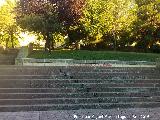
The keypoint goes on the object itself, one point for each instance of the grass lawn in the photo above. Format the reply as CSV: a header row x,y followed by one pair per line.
x,y
95,55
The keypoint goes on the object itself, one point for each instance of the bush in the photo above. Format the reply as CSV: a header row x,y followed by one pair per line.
x,y
155,48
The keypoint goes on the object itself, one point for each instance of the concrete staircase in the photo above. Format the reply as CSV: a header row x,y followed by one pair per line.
x,y
25,88
7,57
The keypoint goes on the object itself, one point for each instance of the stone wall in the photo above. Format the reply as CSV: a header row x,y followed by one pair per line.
x,y
23,53
25,50
7,56
158,63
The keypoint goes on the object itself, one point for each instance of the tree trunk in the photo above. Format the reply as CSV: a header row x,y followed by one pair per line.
x,y
48,42
12,39
114,42
52,45
78,46
7,42
115,45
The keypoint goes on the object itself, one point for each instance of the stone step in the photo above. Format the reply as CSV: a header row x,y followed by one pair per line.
x,y
90,72
52,84
51,107
69,88
78,90
82,81
107,76
55,71
78,100
111,73
103,85
75,69
82,76
26,76
17,94
7,60
101,69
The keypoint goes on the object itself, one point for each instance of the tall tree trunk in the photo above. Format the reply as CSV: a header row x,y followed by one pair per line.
x,y
12,41
78,46
52,45
114,42
48,42
7,40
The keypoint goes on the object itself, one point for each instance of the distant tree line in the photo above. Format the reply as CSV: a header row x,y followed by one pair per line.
x,y
95,24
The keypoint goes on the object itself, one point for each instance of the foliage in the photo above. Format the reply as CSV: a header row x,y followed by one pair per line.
x,y
115,23
147,26
70,11
107,17
59,39
94,19
40,17
8,27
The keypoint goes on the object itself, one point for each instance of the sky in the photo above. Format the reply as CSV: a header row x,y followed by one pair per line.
x,y
1,2
25,37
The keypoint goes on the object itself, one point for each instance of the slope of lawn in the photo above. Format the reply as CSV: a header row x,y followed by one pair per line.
x,y
95,55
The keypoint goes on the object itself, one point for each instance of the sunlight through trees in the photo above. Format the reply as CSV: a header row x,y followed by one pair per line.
x,y
95,24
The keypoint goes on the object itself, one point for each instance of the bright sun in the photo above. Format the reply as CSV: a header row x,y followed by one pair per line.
x,y
26,38
2,2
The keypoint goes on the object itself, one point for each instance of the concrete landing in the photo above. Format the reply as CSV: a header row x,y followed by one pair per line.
x,y
93,114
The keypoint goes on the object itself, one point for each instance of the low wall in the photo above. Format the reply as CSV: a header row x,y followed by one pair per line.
x,y
158,63
22,54
24,51
72,62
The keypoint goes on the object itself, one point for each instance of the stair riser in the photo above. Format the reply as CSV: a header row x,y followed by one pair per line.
x,y
72,69
76,107
78,100
74,95
105,76
94,76
78,90
79,81
72,72
74,84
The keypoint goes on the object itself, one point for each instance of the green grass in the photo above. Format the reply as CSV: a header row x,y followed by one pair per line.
x,y
95,55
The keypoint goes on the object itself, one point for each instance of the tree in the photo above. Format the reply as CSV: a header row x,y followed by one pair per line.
x,y
51,14
8,26
107,18
40,17
69,13
93,20
147,26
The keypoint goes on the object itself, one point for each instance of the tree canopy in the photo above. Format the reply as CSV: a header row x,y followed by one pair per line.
x,y
8,26
40,17
147,26
116,23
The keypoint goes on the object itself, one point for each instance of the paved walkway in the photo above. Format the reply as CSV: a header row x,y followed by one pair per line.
x,y
114,114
